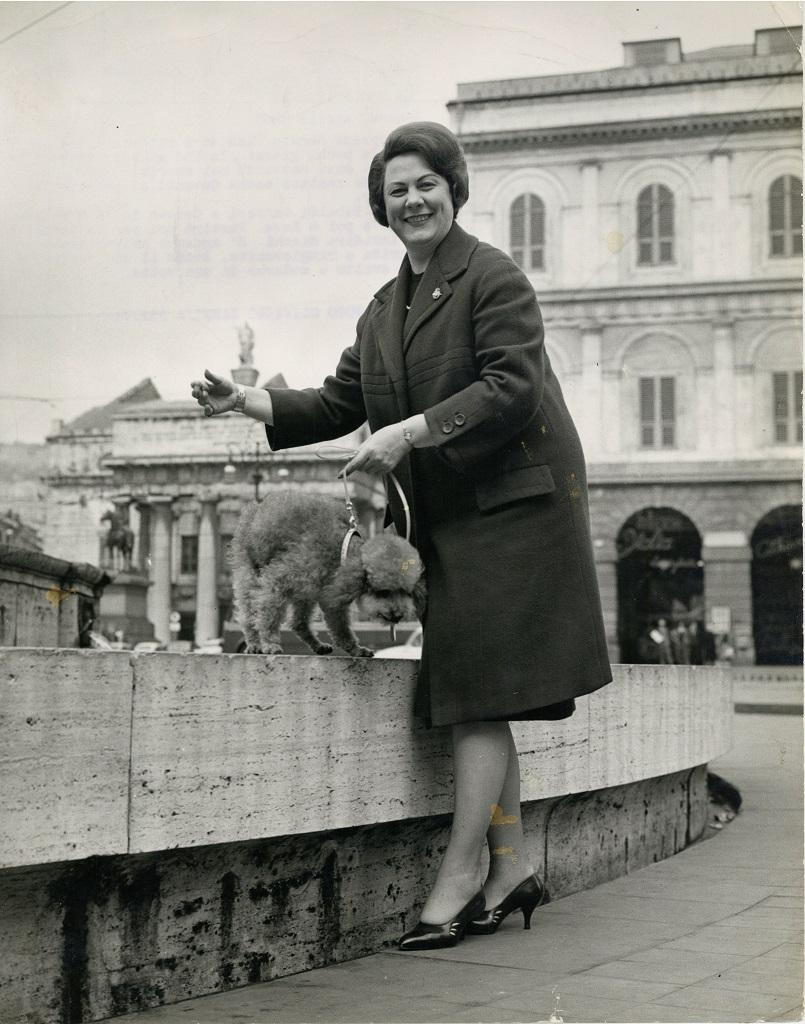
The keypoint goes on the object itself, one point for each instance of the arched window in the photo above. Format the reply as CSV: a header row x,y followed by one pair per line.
x,y
655,226
527,232
785,216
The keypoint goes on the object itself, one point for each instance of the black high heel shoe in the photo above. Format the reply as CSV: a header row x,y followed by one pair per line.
x,y
528,895
437,936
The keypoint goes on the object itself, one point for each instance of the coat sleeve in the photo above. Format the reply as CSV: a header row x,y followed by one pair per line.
x,y
477,421
320,414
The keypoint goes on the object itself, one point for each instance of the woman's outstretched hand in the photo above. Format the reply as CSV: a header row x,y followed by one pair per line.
x,y
215,394
380,452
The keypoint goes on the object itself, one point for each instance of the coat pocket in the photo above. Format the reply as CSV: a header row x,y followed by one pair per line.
x,y
523,482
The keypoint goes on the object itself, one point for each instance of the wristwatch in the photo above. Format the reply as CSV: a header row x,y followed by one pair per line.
x,y
240,401
408,436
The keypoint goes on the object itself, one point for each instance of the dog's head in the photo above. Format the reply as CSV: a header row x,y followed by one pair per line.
x,y
388,574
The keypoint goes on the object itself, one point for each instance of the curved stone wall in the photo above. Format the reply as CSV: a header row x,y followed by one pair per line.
x,y
184,824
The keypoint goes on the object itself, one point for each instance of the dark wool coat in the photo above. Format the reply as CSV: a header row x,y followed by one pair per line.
x,y
499,502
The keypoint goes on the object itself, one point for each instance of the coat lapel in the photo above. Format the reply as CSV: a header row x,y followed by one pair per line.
x,y
390,333
449,260
432,293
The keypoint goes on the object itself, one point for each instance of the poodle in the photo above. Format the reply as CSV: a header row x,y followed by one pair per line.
x,y
286,551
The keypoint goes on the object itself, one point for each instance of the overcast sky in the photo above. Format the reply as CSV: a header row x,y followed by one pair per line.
x,y
169,170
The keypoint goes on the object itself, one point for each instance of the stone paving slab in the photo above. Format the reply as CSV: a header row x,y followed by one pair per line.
x,y
713,934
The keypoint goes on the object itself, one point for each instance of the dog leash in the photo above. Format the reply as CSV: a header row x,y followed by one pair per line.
x,y
334,452
353,530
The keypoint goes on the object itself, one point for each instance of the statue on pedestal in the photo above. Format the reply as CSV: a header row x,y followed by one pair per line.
x,y
246,339
118,544
246,373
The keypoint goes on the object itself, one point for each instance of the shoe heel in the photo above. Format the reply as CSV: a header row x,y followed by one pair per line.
x,y
528,910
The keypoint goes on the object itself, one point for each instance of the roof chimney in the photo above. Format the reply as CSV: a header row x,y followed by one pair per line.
x,y
778,40
649,52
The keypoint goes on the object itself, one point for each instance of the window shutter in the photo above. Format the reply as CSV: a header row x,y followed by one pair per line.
x,y
527,232
780,400
796,216
785,216
645,226
668,411
647,407
777,205
537,225
517,230
655,225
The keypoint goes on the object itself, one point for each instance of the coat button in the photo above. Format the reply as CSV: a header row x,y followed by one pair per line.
x,y
447,427
459,419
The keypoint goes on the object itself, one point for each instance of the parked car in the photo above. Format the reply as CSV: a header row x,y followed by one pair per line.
x,y
210,646
99,641
411,649
148,646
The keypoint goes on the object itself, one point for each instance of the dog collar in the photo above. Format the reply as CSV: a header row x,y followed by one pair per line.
x,y
351,532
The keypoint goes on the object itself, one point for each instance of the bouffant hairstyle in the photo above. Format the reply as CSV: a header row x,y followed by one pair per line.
x,y
440,150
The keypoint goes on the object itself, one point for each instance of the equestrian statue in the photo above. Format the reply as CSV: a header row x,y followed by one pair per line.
x,y
118,544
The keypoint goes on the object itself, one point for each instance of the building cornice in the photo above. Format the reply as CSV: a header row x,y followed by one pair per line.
x,y
701,125
658,76
737,471
710,301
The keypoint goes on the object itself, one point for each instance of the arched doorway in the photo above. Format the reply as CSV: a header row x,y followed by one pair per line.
x,y
660,576
777,587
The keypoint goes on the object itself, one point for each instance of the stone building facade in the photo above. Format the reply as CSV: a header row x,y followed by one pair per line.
x,y
178,481
79,484
657,209
181,480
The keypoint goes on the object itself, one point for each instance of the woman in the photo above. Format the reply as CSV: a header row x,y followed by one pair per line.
x,y
450,370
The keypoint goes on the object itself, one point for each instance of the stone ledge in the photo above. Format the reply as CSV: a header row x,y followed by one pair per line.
x,y
132,754
109,935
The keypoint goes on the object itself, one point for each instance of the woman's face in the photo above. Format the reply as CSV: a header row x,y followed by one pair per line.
x,y
419,207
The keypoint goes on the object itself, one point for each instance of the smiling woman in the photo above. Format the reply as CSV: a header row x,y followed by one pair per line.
x,y
449,368
419,207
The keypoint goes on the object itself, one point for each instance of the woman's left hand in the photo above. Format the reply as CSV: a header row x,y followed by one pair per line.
x,y
380,452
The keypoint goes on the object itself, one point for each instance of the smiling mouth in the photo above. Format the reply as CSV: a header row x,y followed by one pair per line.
x,y
419,218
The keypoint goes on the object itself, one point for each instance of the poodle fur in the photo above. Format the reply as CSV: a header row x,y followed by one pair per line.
x,y
286,551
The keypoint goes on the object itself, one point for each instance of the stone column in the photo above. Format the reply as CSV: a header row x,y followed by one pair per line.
x,y
483,225
207,617
610,440
606,569
590,403
722,261
727,559
590,231
142,544
159,593
723,391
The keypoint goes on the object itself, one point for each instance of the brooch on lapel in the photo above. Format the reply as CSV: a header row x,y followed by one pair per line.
x,y
437,293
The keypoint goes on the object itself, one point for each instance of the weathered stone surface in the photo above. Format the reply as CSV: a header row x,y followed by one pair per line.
x,y
657,719
627,828
229,748
110,935
65,719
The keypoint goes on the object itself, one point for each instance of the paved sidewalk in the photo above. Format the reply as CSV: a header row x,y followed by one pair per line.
x,y
712,934
772,692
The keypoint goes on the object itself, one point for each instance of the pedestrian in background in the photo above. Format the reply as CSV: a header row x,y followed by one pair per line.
x,y
661,636
450,369
680,645
696,643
